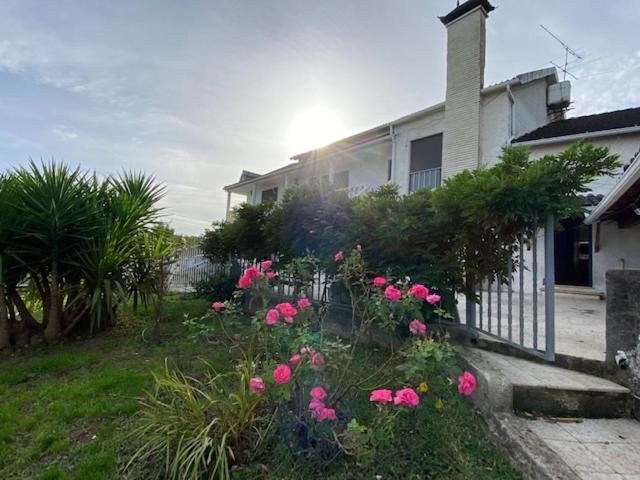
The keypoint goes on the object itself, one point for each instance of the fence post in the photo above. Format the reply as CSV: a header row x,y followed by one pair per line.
x,y
470,313
549,290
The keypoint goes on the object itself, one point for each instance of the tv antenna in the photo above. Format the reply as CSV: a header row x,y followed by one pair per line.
x,y
567,51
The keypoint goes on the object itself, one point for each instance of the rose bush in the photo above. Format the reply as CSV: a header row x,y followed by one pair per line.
x,y
300,380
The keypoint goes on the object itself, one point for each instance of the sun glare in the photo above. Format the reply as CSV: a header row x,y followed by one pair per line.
x,y
314,128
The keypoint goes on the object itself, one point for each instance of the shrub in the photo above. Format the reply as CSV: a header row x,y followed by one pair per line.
x,y
218,286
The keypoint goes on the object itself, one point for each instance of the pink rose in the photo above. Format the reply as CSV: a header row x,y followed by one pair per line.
x,y
419,291
251,272
288,320
381,396
392,293
317,359
417,327
379,281
304,303
271,275
282,374
359,247
266,264
244,282
257,385
329,414
316,404
287,310
272,316
433,298
407,397
338,256
217,306
304,350
295,359
467,384
318,393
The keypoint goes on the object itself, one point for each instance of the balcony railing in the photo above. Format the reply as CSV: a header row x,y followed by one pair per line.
x,y
425,178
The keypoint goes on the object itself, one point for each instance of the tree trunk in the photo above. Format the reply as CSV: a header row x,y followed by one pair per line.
x,y
23,311
53,330
5,334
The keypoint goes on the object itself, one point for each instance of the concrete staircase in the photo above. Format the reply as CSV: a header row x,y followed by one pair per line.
x,y
555,423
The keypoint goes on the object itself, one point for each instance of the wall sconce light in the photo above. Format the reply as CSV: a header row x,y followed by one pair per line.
x,y
636,209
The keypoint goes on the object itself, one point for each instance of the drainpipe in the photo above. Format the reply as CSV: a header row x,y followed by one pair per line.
x,y
512,113
392,133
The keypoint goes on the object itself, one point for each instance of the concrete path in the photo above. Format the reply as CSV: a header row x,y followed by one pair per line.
x,y
562,440
580,322
593,448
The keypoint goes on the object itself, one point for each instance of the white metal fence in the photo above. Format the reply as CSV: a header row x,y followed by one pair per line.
x,y
191,267
425,178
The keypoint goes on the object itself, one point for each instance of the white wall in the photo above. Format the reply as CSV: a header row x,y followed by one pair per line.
x,y
494,126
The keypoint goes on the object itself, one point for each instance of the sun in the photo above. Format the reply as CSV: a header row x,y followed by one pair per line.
x,y
315,127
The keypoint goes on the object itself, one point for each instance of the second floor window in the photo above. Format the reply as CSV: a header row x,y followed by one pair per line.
x,y
270,195
426,162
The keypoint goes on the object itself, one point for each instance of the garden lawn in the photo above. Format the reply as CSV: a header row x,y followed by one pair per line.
x,y
66,412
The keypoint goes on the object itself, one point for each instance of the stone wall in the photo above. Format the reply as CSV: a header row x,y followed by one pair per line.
x,y
623,321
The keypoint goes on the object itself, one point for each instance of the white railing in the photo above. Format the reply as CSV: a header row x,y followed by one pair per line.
x,y
425,178
190,267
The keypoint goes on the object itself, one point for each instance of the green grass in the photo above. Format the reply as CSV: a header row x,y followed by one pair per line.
x,y
66,412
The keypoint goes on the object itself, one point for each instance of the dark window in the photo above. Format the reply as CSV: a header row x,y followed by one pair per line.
x,y
426,153
270,195
389,170
341,179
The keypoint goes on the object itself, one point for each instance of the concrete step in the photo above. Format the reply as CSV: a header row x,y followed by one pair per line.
x,y
577,290
509,384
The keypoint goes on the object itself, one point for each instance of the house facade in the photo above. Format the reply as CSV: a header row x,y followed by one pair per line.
x,y
468,130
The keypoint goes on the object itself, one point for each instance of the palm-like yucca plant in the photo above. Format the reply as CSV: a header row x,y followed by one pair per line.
x,y
76,239
58,207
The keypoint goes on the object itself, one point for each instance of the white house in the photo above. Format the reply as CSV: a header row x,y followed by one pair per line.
x,y
467,131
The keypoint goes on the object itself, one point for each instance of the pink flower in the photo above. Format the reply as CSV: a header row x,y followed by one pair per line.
x,y
272,316
244,282
271,275
282,374
316,404
304,350
381,396
257,385
379,281
287,310
266,264
467,384
329,414
317,359
407,397
392,293
318,393
304,303
217,306
359,247
433,298
419,291
251,272
295,359
417,327
338,256
288,320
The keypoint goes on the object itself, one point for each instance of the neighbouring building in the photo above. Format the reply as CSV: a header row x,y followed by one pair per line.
x,y
466,131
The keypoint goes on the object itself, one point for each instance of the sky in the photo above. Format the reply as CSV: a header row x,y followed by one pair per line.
x,y
194,92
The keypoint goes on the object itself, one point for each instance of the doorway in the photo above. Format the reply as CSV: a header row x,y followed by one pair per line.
x,y
573,253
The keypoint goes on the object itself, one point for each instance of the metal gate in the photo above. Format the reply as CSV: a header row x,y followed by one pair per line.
x,y
519,312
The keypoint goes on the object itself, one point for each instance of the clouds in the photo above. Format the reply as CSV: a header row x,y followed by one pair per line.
x,y
195,91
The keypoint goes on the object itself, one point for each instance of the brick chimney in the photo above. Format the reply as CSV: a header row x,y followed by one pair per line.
x,y
465,78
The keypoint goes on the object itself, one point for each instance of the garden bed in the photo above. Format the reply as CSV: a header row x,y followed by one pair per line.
x,y
68,412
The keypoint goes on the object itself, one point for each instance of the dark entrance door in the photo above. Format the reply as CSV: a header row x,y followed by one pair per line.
x,y
573,253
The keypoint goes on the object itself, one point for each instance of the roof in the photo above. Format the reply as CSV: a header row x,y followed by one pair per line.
x,y
623,196
466,7
247,175
601,122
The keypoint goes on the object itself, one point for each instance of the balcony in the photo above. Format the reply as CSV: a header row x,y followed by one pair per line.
x,y
425,179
